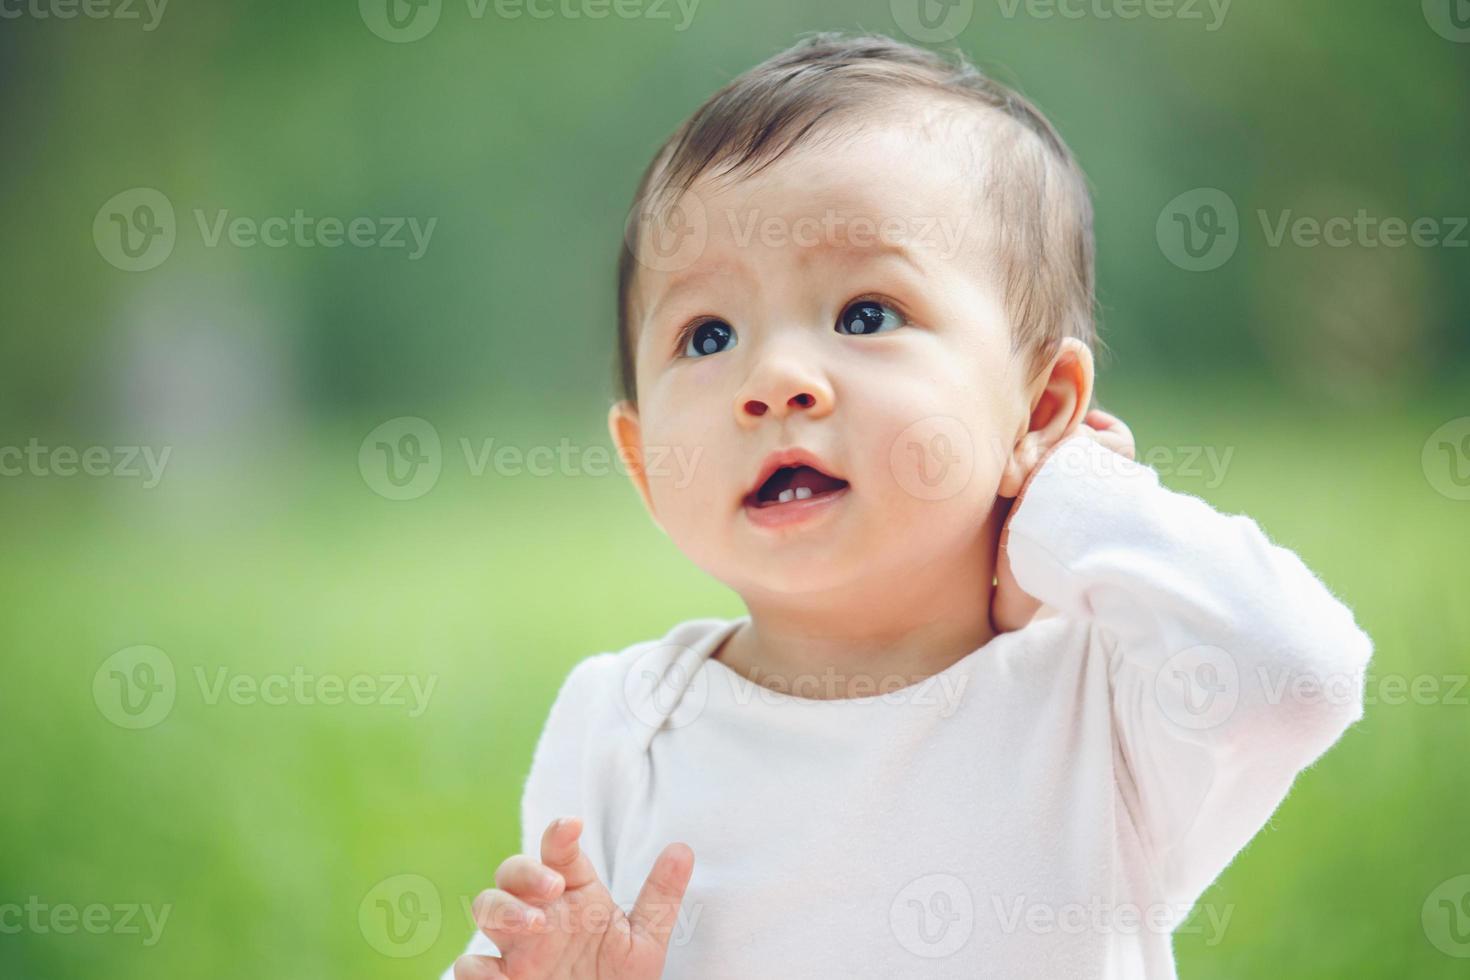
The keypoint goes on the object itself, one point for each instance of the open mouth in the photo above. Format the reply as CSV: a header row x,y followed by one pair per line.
x,y
791,483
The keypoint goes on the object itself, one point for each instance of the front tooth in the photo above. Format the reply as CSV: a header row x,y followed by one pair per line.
x,y
784,496
803,492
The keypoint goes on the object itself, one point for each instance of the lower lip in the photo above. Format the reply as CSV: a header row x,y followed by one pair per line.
x,y
793,511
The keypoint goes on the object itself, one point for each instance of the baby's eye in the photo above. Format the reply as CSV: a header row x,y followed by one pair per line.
x,y
709,337
868,316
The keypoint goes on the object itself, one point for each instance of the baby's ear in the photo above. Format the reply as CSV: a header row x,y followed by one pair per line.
x,y
1058,396
627,437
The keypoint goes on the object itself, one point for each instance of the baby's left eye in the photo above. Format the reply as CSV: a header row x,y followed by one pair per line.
x,y
868,316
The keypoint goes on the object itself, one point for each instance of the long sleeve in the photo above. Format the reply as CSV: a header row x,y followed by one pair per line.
x,y
1231,666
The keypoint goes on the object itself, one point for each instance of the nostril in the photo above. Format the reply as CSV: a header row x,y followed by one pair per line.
x,y
803,400
755,407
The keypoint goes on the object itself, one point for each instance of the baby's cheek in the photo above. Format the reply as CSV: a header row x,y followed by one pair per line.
x,y
937,459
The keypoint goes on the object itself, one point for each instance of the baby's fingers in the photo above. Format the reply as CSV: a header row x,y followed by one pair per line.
x,y
657,909
1111,431
528,879
506,919
561,853
472,967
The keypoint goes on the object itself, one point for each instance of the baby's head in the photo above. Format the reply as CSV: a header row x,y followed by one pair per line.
x,y
863,251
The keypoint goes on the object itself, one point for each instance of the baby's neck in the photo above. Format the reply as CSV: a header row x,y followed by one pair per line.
x,y
855,645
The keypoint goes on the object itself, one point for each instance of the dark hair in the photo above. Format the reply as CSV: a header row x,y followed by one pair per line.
x,y
1038,192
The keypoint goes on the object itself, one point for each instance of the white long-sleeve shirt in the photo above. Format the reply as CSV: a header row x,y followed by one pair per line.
x,y
1052,805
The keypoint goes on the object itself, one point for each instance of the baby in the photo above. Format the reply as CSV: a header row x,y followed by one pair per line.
x,y
1001,705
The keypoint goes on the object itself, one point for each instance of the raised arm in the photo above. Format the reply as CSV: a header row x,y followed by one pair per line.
x,y
1232,666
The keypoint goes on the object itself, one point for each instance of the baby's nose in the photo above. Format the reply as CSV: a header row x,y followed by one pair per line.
x,y
804,399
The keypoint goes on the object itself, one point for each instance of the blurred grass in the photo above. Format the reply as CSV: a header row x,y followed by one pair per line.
x,y
265,826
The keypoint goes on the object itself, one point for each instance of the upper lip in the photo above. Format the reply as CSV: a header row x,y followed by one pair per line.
x,y
796,456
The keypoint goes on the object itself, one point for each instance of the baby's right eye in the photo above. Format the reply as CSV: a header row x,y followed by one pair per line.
x,y
708,337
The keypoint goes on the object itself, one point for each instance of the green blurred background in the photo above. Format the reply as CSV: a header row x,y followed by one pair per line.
x,y
1334,376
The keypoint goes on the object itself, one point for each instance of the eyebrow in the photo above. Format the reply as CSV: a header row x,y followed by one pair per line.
x,y
879,248
687,281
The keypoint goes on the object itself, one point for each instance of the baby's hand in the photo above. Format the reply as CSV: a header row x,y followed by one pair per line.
x,y
553,918
1011,608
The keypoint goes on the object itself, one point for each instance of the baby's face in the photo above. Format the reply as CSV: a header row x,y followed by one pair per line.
x,y
841,305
